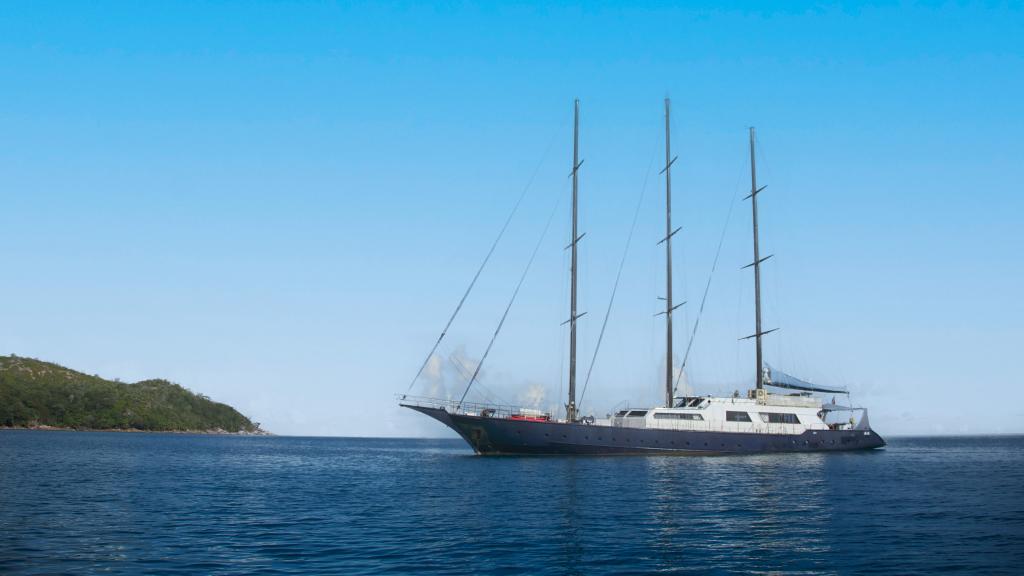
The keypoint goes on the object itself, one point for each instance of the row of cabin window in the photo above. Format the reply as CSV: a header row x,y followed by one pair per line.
x,y
779,418
677,416
766,417
769,417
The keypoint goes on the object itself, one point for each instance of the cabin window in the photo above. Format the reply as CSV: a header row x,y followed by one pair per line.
x,y
737,416
677,416
622,413
637,413
779,418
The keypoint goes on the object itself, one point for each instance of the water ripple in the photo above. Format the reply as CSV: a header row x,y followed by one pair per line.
x,y
172,504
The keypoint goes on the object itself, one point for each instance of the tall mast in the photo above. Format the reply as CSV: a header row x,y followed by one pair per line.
x,y
668,257
754,190
757,265
570,408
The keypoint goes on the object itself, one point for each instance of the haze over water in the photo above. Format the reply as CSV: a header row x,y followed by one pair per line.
x,y
179,504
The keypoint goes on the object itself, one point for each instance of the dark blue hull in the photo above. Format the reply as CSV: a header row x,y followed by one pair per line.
x,y
504,436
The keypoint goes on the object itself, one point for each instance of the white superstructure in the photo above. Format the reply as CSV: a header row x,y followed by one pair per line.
x,y
775,414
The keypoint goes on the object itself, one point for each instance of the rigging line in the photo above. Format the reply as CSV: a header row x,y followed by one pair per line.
x,y
465,372
618,276
512,300
487,393
563,330
707,288
504,227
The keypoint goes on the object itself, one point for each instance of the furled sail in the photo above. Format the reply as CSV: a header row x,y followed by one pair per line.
x,y
780,379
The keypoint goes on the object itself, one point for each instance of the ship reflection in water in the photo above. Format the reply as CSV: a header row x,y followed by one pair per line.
x,y
767,494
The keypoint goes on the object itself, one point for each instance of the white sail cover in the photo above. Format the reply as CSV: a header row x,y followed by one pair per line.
x,y
780,379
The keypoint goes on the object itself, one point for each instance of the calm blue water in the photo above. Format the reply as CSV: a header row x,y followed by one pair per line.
x,y
150,503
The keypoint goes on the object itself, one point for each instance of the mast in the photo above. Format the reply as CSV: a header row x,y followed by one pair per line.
x,y
668,257
754,190
570,408
757,265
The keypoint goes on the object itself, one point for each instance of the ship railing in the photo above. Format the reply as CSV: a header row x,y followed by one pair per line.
x,y
469,408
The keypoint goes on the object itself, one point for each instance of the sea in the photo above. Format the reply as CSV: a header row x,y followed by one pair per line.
x,y
123,503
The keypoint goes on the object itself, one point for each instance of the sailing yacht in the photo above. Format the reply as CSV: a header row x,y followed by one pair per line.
x,y
780,414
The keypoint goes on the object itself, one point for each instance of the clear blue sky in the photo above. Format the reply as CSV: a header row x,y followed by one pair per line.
x,y
279,203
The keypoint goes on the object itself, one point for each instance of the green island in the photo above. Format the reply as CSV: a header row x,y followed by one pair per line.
x,y
37,394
